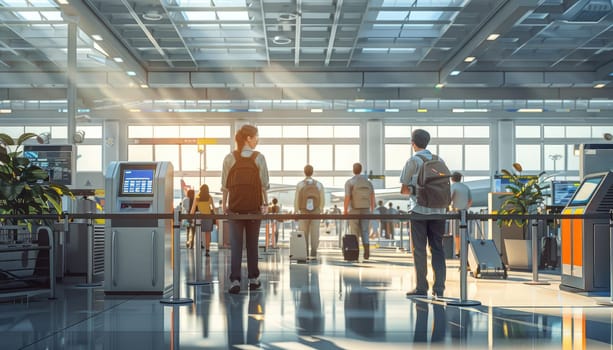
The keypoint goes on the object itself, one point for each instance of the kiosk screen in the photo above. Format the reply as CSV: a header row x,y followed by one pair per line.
x,y
502,181
585,191
562,192
136,180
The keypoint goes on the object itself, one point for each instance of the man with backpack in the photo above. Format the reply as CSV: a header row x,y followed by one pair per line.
x,y
359,199
309,199
427,178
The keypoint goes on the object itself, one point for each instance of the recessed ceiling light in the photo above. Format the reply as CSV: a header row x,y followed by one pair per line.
x,y
281,40
118,59
422,110
96,37
153,15
530,110
470,59
131,73
316,110
439,86
144,86
62,2
599,86
493,36
455,73
287,17
5,111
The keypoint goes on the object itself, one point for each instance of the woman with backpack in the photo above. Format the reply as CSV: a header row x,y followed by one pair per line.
x,y
244,181
204,205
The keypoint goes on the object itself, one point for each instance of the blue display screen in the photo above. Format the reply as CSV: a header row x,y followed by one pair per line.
x,y
502,181
585,191
137,181
562,192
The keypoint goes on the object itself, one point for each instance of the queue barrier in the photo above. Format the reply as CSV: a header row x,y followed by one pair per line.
x,y
463,216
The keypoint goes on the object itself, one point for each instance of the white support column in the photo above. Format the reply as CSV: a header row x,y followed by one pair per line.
x,y
506,144
113,142
71,72
374,148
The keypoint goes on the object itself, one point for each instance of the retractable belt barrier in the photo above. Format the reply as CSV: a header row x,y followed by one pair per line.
x,y
463,216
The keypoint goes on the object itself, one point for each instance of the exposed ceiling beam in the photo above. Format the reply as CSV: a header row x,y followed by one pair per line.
x,y
145,30
265,32
90,23
298,30
506,15
337,16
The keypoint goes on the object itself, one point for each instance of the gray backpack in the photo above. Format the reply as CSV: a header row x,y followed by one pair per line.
x,y
433,187
360,193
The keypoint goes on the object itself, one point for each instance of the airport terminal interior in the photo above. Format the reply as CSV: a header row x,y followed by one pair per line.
x,y
130,103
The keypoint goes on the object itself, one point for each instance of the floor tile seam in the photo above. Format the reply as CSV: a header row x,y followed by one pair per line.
x,y
64,329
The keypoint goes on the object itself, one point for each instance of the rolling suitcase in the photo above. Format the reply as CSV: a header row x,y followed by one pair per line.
x,y
484,259
351,249
297,246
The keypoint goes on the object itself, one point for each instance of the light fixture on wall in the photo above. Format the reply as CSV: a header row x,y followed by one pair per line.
x,y
607,136
43,138
79,136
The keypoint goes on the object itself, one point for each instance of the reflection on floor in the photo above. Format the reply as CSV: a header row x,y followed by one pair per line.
x,y
323,304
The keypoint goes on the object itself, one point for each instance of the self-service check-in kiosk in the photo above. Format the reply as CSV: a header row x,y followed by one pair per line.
x,y
138,251
585,242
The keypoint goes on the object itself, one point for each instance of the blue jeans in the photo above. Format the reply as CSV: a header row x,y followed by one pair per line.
x,y
428,232
250,229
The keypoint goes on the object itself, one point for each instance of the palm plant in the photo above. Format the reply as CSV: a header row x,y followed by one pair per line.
x,y
524,197
23,186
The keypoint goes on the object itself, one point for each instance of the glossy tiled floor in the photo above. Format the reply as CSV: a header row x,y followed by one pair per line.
x,y
323,304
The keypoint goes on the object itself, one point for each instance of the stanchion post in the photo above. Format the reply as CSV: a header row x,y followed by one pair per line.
x,y
176,266
535,267
89,275
198,258
50,234
610,301
463,263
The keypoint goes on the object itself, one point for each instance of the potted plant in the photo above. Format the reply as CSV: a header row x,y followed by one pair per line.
x,y
24,187
525,197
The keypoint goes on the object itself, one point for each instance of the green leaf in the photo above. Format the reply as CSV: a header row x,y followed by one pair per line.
x,y
25,136
6,139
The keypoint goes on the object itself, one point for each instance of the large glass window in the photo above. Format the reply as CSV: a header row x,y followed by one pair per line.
x,y
89,158
345,156
294,157
452,155
529,156
143,153
321,157
272,153
477,157
215,155
527,131
554,157
396,156
140,131
190,158
168,153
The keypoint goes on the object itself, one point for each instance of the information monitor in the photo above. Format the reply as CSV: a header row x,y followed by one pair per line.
x,y
562,192
585,192
136,180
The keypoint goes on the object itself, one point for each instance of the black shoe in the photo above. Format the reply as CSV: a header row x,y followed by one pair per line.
x,y
416,293
255,284
236,287
207,253
436,294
